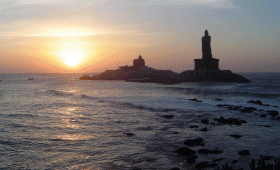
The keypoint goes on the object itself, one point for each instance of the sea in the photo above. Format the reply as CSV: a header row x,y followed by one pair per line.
x,y
57,121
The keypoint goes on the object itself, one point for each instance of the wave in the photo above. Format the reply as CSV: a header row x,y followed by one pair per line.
x,y
60,92
250,91
140,107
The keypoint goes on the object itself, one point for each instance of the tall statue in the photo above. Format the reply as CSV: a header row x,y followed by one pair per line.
x,y
206,47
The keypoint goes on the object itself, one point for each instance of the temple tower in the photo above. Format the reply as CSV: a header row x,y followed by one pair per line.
x,y
207,62
138,63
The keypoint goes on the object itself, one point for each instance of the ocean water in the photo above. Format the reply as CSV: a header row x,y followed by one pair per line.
x,y
59,122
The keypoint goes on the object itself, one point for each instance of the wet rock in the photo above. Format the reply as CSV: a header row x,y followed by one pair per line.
x,y
223,105
129,134
203,151
216,151
175,168
272,113
219,159
205,164
248,109
194,99
230,121
205,121
234,162
219,99
193,126
258,102
236,136
207,151
204,130
244,152
234,107
191,159
184,151
263,115
193,142
136,168
266,158
168,116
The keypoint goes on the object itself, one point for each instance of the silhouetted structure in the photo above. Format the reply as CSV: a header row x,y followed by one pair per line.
x,y
138,63
137,72
207,62
207,68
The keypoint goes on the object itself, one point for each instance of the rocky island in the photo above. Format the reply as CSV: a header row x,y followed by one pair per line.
x,y
206,69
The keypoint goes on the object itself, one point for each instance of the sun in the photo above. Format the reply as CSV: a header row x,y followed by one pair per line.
x,y
72,60
72,54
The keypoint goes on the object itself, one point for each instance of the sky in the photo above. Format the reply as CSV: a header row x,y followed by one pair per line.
x,y
91,36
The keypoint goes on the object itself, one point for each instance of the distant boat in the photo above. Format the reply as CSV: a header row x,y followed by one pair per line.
x,y
30,79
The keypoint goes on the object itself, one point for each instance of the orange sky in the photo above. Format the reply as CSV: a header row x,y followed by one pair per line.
x,y
92,36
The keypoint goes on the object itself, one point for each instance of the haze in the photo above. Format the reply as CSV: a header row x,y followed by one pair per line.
x,y
80,36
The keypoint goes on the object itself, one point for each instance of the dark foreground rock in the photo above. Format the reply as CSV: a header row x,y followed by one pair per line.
x,y
168,116
129,134
232,121
272,113
205,164
236,136
184,151
244,152
193,142
207,151
191,159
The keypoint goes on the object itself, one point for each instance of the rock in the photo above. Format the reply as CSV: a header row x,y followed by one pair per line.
x,y
263,115
219,99
207,151
236,136
184,151
135,168
244,152
205,121
203,151
219,159
193,142
265,157
230,121
234,162
258,102
191,159
193,126
234,107
216,151
248,109
168,116
204,130
272,113
194,99
275,106
277,117
199,101
176,132
205,164
129,134
174,168
223,105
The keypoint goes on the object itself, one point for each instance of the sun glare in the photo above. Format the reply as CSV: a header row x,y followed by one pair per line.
x,y
72,54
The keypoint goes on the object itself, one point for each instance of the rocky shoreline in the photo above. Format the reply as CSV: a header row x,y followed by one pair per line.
x,y
193,148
